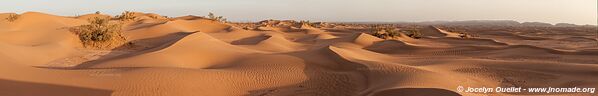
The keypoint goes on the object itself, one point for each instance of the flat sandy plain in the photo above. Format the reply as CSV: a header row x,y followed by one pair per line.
x,y
195,56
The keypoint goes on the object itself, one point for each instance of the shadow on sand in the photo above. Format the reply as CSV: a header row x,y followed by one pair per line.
x,y
138,47
19,88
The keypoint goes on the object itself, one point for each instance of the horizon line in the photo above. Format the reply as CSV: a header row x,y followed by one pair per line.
x,y
333,21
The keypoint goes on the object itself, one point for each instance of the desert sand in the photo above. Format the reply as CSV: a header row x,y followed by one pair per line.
x,y
196,56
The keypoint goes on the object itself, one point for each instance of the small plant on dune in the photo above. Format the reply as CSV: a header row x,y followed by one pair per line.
x,y
462,33
386,33
308,23
391,33
125,16
100,34
12,17
413,33
216,18
153,16
98,12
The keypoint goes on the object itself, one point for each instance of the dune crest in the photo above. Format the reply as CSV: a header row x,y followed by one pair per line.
x,y
197,50
202,56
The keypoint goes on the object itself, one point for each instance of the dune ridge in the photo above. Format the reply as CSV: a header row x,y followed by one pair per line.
x,y
197,56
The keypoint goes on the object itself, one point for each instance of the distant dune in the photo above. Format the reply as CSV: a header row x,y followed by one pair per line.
x,y
40,55
480,22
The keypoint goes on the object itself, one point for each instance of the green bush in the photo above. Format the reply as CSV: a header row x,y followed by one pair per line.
x,y
100,34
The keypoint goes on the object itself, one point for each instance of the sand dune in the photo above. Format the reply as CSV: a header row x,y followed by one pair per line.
x,y
196,50
91,16
579,39
435,32
32,21
196,56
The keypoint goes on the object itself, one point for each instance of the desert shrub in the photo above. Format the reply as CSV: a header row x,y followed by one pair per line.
x,y
464,35
153,16
413,33
308,23
462,32
100,34
305,22
390,33
386,33
268,23
125,16
98,12
216,18
320,24
12,17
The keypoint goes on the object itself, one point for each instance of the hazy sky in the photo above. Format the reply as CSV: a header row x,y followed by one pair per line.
x,y
550,11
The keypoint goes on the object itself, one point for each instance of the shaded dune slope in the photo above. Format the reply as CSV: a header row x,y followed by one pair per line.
x,y
195,56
